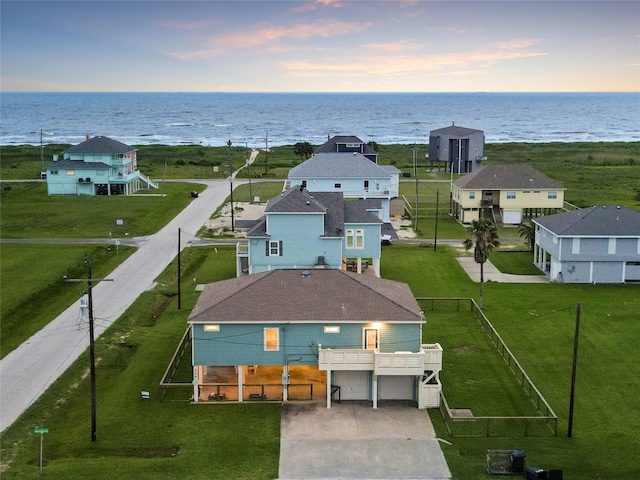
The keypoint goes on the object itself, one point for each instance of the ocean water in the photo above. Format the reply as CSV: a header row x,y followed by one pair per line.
x,y
258,119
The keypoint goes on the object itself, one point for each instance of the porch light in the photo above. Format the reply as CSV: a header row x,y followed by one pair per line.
x,y
377,325
212,328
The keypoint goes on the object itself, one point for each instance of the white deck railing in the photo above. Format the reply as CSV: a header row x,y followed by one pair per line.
x,y
429,358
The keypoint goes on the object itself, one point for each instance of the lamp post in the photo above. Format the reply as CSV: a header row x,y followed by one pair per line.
x,y
92,352
230,180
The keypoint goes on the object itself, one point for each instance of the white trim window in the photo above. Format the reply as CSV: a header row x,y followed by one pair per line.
x,y
511,195
350,238
274,248
552,195
359,238
472,195
271,339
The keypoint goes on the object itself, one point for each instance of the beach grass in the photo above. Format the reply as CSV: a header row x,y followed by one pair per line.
x,y
592,172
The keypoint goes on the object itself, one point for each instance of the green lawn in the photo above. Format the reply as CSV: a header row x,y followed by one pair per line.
x,y
32,277
28,212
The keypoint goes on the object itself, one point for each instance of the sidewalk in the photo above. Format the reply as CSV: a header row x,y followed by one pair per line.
x,y
31,368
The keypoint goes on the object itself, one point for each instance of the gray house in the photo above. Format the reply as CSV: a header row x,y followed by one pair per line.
x,y
591,245
460,149
347,144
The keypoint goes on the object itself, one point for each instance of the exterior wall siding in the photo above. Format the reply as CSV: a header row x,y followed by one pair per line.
x,y
243,344
371,248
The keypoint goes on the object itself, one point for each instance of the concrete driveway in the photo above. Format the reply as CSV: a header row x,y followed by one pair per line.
x,y
352,440
492,274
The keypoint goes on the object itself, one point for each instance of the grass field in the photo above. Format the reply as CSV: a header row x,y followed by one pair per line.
x,y
25,290
28,212
145,440
172,439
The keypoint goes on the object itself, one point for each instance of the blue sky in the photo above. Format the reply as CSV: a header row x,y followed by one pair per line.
x,y
320,46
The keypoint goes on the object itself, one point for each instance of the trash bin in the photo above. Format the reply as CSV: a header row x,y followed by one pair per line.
x,y
194,194
517,461
535,473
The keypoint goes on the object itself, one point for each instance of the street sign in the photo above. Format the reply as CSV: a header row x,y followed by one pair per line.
x,y
41,430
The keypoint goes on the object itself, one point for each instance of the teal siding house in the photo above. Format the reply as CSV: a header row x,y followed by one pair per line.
x,y
327,334
302,229
97,166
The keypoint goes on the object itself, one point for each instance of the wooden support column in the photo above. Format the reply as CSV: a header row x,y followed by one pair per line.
x,y
240,382
328,388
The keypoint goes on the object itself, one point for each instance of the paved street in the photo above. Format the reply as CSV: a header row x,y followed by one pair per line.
x,y
30,369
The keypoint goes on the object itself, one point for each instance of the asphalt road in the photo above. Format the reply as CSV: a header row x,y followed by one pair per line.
x,y
31,368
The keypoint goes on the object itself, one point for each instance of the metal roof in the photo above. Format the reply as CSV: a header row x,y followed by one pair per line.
x,y
455,131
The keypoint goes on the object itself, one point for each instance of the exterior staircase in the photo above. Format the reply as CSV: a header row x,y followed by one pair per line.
x,y
497,216
150,183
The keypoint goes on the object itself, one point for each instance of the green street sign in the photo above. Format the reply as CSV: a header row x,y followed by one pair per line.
x,y
41,430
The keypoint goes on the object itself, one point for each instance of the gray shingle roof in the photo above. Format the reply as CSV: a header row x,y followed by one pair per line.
x,y
336,210
100,144
338,165
501,177
355,211
455,131
330,146
600,221
325,295
78,165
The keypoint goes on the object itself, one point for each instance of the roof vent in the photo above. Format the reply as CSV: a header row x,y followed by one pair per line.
x,y
308,202
306,274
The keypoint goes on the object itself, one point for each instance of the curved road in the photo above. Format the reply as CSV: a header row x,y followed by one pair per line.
x,y
32,367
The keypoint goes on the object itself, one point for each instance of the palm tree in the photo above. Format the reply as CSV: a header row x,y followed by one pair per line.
x,y
483,238
527,232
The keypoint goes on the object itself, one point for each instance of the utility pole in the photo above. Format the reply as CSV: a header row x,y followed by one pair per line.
x,y
230,180
266,152
92,351
573,371
415,174
179,249
435,238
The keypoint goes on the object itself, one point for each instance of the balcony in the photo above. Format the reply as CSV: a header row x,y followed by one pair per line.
x,y
429,358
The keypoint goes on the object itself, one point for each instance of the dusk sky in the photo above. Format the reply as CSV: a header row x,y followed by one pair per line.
x,y
320,46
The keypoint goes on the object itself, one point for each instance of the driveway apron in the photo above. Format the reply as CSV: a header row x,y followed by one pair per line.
x,y
352,440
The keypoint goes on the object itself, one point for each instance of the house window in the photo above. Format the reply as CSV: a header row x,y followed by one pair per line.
x,y
552,195
332,329
337,185
271,339
274,248
71,172
511,195
359,238
575,246
612,246
304,184
212,328
350,238
472,195
54,172
366,185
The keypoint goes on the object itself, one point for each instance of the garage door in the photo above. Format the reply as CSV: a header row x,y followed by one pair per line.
x,y
512,217
395,387
354,385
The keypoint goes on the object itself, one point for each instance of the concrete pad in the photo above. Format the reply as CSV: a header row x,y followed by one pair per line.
x,y
492,274
352,440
